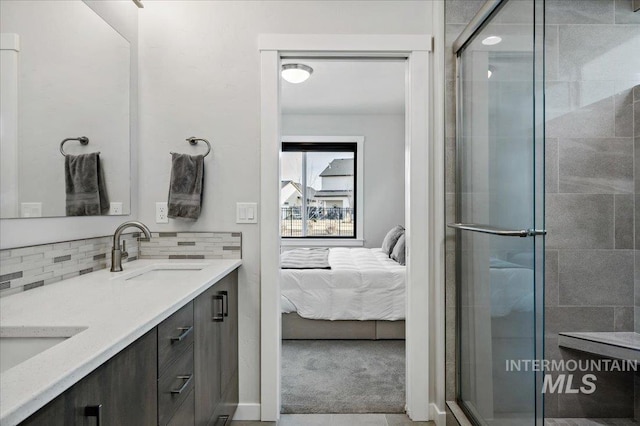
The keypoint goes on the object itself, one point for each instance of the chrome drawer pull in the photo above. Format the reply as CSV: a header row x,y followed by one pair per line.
x,y
185,333
187,380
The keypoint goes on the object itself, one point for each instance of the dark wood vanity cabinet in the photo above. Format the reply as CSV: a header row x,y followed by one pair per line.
x,y
183,372
216,353
122,391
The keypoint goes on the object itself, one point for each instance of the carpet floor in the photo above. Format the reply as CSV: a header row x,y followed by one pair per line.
x,y
343,376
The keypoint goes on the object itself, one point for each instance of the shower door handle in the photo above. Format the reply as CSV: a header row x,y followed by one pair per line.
x,y
493,230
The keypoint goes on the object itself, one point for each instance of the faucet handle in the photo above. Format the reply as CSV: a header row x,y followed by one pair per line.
x,y
124,254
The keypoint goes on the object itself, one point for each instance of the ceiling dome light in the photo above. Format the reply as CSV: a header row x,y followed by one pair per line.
x,y
491,40
296,73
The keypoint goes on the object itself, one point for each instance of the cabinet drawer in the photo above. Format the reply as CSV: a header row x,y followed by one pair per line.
x,y
174,385
185,415
175,334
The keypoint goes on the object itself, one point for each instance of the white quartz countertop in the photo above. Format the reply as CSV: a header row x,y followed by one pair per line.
x,y
111,311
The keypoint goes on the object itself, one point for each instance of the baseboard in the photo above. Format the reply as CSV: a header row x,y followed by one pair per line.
x,y
247,411
437,415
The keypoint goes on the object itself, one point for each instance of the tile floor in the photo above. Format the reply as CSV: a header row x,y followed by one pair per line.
x,y
339,420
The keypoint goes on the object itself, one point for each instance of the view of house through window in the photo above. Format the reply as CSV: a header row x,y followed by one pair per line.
x,y
317,192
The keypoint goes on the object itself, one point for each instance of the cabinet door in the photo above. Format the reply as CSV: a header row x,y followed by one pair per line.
x,y
208,312
122,391
229,338
125,387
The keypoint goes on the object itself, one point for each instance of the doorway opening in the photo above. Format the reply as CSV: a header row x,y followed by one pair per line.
x,y
342,279
424,213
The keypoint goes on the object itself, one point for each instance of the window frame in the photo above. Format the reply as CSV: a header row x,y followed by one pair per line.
x,y
331,143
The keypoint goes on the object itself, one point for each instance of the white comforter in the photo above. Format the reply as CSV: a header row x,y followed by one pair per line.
x,y
362,284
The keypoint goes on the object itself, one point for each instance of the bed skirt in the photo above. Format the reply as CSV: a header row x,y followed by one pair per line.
x,y
294,327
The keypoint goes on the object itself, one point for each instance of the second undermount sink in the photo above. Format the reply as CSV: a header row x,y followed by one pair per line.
x,y
18,344
164,271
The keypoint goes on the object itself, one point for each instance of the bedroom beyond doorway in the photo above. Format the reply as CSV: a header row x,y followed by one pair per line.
x,y
342,212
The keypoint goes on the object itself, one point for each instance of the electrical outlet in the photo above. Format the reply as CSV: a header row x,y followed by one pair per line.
x,y
161,212
30,209
115,208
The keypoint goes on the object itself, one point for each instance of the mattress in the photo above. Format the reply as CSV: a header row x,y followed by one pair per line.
x,y
511,288
362,284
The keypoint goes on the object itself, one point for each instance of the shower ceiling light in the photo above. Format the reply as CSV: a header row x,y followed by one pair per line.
x,y
296,73
491,40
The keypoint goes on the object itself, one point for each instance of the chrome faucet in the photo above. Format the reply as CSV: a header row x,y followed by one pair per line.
x,y
117,252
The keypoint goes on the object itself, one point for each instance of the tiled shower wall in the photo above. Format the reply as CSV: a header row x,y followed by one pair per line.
x,y
592,170
25,268
592,181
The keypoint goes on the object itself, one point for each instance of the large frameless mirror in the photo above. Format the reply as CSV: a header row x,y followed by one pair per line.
x,y
65,76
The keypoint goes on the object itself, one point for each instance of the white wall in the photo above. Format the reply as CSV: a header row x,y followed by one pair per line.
x,y
383,163
123,16
200,75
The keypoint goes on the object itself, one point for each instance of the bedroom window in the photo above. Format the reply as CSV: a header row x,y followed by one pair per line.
x,y
318,192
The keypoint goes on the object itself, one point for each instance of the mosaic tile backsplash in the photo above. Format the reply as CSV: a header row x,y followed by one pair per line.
x,y
192,245
30,267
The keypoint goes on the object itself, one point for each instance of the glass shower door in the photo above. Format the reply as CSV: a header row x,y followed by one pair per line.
x,y
500,172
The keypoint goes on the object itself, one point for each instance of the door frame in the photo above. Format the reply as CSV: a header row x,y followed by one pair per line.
x,y
424,210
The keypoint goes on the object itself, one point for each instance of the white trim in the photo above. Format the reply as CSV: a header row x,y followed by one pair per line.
x,y
438,416
418,210
10,41
247,412
424,219
437,217
382,44
324,242
270,340
359,141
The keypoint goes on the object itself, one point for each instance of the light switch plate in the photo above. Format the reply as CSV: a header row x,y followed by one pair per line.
x,y
246,212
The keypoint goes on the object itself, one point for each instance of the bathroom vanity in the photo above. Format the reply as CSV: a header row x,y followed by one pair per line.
x,y
156,344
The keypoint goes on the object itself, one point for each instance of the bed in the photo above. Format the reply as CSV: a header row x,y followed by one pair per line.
x,y
361,296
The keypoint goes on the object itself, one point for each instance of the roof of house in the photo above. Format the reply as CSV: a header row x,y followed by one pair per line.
x,y
339,167
298,186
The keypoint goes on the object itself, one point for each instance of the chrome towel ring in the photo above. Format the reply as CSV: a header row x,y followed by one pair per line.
x,y
194,141
82,139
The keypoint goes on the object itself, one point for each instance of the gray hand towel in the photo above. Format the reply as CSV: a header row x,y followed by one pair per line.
x,y
85,185
185,187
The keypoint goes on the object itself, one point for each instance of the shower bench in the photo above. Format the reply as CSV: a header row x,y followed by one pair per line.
x,y
614,344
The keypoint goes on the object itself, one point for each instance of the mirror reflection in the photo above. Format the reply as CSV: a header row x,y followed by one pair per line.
x,y
65,76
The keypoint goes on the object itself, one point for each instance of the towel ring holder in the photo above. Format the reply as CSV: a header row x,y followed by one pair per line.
x,y
82,139
194,141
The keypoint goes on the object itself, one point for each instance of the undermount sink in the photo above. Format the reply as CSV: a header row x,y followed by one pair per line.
x,y
18,344
163,271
